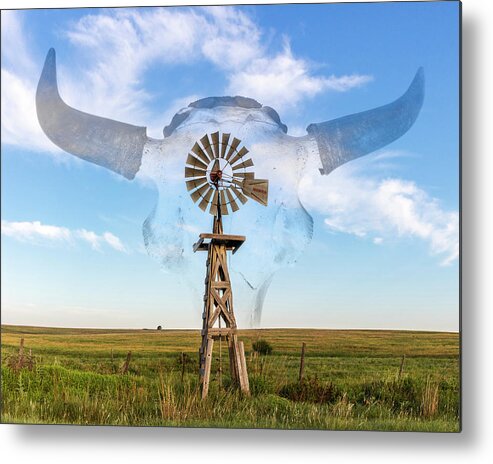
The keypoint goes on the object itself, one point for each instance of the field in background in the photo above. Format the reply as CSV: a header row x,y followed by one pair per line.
x,y
351,379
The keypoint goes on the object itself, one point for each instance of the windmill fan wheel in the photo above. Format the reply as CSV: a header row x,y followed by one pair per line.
x,y
217,175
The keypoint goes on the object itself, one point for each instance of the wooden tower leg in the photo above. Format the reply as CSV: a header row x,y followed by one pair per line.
x,y
232,364
240,365
207,367
244,384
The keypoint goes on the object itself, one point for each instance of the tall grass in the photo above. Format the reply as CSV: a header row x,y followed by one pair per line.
x,y
430,396
338,392
54,394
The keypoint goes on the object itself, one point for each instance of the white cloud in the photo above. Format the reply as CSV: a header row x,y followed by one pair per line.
x,y
125,44
117,48
232,40
113,241
35,231
284,80
43,234
90,237
14,47
20,125
381,209
122,46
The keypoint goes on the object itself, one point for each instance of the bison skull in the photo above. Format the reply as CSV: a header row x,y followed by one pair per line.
x,y
276,235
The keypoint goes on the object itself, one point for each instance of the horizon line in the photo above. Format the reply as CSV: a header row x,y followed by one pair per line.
x,y
240,329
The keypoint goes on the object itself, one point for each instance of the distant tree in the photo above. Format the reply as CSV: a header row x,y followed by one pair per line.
x,y
159,327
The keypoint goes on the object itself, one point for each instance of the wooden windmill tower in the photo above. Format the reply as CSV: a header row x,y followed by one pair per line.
x,y
217,177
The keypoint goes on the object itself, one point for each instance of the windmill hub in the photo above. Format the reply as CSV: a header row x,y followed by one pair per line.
x,y
217,176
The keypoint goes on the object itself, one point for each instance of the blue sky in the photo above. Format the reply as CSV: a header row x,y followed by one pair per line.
x,y
72,247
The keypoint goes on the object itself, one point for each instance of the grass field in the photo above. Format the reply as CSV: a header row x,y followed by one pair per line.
x,y
351,380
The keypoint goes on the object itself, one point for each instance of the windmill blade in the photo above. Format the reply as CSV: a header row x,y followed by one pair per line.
x,y
224,144
193,184
195,162
207,146
205,200
245,175
231,201
199,193
216,166
194,172
224,210
232,147
246,164
200,153
223,205
239,195
213,208
256,189
238,155
237,182
215,143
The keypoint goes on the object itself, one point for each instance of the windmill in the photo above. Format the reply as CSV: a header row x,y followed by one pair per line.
x,y
218,178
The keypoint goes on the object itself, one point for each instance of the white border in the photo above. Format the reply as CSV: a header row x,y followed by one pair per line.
x,y
53,444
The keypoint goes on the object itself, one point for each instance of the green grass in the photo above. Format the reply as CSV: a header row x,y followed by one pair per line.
x,y
351,380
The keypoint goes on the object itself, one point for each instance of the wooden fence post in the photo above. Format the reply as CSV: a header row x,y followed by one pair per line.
x,y
401,369
20,356
127,363
302,362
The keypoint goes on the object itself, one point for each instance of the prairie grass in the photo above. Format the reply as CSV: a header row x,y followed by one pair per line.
x,y
351,380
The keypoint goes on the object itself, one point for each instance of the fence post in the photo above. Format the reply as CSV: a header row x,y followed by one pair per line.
x,y
401,369
127,363
302,362
20,356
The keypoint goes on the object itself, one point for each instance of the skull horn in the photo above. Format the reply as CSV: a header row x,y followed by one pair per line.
x,y
344,139
114,145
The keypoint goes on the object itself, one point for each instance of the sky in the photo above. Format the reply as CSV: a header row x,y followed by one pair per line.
x,y
384,252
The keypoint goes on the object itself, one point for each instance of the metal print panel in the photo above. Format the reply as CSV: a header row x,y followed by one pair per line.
x,y
311,152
